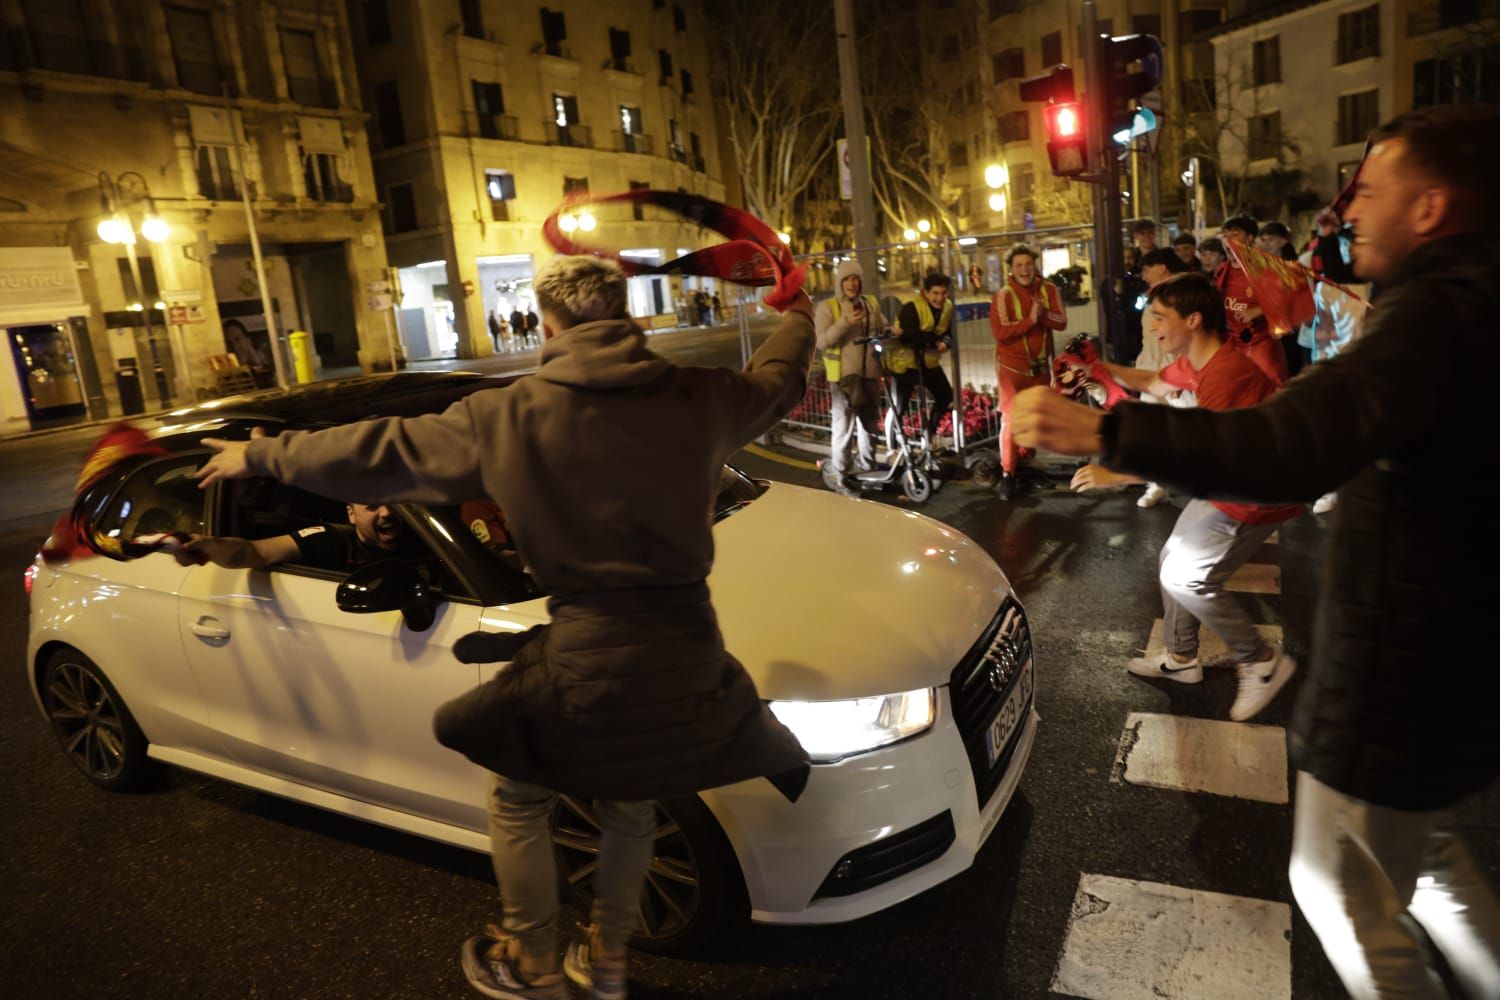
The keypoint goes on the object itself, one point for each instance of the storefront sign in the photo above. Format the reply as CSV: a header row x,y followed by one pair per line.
x,y
32,277
183,295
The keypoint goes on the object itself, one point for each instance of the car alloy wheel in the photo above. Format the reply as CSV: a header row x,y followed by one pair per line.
x,y
92,724
670,900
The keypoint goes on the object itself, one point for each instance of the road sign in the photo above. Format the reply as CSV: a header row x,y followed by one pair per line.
x,y
182,315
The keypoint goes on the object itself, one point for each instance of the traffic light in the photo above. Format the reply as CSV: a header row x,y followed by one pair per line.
x,y
1132,68
1067,139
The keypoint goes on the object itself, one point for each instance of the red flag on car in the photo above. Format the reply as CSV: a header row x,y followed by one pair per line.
x,y
74,535
754,254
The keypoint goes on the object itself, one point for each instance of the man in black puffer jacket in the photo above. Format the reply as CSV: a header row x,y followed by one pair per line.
x,y
1396,723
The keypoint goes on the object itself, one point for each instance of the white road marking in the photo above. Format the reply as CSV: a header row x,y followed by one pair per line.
x,y
1211,649
1234,759
1256,578
1129,940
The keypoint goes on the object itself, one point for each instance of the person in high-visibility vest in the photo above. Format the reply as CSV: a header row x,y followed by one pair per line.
x,y
1024,313
848,316
927,331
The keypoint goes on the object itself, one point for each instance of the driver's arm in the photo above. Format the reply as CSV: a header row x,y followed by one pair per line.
x,y
240,553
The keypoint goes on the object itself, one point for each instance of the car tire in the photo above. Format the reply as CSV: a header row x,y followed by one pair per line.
x,y
694,891
92,724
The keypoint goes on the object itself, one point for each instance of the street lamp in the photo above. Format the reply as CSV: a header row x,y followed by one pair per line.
x,y
923,226
908,234
116,228
997,202
996,175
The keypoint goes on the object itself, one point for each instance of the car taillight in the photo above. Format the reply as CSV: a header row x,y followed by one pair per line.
x,y
31,572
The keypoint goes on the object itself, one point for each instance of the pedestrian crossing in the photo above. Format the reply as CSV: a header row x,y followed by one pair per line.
x,y
1130,938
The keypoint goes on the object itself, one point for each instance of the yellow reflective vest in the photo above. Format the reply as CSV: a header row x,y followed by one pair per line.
x,y
899,358
833,365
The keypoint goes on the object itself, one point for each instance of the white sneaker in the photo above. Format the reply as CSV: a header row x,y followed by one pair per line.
x,y
1162,665
1325,503
1259,684
1154,495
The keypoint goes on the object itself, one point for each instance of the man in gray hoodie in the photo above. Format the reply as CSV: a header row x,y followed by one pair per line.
x,y
606,462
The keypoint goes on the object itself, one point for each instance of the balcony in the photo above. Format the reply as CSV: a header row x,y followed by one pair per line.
x,y
488,126
679,154
698,163
569,135
621,66
633,142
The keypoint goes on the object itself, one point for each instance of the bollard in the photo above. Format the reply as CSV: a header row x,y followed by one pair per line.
x,y
302,360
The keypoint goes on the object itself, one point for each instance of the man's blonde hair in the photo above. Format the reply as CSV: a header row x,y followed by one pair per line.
x,y
580,289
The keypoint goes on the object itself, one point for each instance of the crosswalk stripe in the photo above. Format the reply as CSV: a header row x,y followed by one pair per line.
x,y
1233,759
1256,578
1127,940
1211,649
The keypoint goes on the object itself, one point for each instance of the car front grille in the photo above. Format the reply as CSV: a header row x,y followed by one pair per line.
x,y
980,685
889,858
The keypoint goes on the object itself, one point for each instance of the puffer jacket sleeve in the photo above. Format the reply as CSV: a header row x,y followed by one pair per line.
x,y
1372,401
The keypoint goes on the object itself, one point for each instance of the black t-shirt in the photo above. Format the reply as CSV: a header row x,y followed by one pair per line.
x,y
340,548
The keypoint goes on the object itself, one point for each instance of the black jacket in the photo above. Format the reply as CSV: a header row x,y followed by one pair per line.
x,y
1399,707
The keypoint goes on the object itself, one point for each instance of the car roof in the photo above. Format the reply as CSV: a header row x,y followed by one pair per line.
x,y
327,403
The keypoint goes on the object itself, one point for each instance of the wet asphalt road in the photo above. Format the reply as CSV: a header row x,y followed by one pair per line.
x,y
201,887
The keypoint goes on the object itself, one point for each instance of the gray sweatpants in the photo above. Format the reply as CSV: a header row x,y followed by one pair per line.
x,y
848,425
521,851
1204,550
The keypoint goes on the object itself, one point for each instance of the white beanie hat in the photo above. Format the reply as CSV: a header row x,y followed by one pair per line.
x,y
849,267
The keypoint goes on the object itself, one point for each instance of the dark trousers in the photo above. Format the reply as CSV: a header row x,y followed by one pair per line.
x,y
939,392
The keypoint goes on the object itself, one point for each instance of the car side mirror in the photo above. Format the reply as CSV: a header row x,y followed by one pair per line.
x,y
389,585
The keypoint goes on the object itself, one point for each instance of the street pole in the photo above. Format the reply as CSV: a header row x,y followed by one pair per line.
x,y
1109,256
260,264
862,202
162,389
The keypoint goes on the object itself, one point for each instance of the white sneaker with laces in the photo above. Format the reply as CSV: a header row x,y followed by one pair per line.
x,y
1260,683
1154,495
1325,503
1163,665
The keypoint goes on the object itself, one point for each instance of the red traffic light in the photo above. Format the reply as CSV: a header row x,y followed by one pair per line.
x,y
1064,121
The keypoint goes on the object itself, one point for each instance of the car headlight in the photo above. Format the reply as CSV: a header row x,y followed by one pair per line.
x,y
833,730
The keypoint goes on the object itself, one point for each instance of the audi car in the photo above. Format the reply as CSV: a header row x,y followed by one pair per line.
x,y
889,643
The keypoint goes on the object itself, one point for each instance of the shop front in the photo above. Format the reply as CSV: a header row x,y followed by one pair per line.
x,y
47,373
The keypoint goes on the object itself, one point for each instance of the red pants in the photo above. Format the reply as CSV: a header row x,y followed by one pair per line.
x,y
1010,384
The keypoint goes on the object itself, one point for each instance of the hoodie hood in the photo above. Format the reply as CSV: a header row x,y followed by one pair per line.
x,y
604,354
849,269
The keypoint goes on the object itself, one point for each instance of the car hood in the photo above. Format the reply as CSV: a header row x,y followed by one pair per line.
x,y
822,597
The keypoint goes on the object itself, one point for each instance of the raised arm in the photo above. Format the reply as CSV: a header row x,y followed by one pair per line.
x,y
773,382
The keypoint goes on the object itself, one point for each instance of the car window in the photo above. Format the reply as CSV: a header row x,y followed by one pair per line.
x,y
265,508
736,491
479,530
160,496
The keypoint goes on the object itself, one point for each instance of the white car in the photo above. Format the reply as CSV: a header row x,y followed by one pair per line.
x,y
888,642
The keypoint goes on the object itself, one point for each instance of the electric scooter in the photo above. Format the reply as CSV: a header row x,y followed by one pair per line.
x,y
908,460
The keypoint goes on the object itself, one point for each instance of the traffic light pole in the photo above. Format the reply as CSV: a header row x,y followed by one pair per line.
x,y
1109,253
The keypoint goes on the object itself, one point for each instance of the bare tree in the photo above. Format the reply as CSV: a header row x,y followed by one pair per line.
x,y
777,84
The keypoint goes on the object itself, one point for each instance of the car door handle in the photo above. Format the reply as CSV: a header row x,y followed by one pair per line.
x,y
209,628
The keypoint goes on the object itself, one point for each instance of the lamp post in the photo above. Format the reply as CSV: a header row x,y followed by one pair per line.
x,y
116,227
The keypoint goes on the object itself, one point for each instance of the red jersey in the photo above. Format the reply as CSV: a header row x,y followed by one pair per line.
x,y
1230,381
1254,337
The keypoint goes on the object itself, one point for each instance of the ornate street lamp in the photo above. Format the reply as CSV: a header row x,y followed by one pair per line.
x,y
117,197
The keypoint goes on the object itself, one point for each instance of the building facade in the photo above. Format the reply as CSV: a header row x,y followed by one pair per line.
x,y
176,111
488,112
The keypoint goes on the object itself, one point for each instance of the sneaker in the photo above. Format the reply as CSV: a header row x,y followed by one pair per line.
x,y
491,963
1260,682
1154,495
604,980
1164,666
1325,503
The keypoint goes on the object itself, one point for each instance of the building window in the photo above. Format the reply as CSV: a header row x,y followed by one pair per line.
x,y
1052,49
1359,34
1265,136
1022,181
632,139
194,50
388,114
59,37
1265,61
1015,126
1146,24
687,84
472,17
554,33
1358,115
377,22
569,130
619,50
575,184
674,133
305,80
1009,65
679,17
489,109
215,174
637,210
696,146
1001,7
664,59
402,201
321,171
501,187
1457,13
1471,77
958,154
1192,23
1199,96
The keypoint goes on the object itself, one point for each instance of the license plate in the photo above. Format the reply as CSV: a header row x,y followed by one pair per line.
x,y
1012,714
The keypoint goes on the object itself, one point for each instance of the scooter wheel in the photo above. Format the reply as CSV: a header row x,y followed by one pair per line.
x,y
986,472
916,485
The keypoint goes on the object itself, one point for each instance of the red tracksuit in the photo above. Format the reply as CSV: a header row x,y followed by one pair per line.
x,y
1019,344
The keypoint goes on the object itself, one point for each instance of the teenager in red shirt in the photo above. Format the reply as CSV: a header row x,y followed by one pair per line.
x,y
1248,330
1212,539
1023,315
